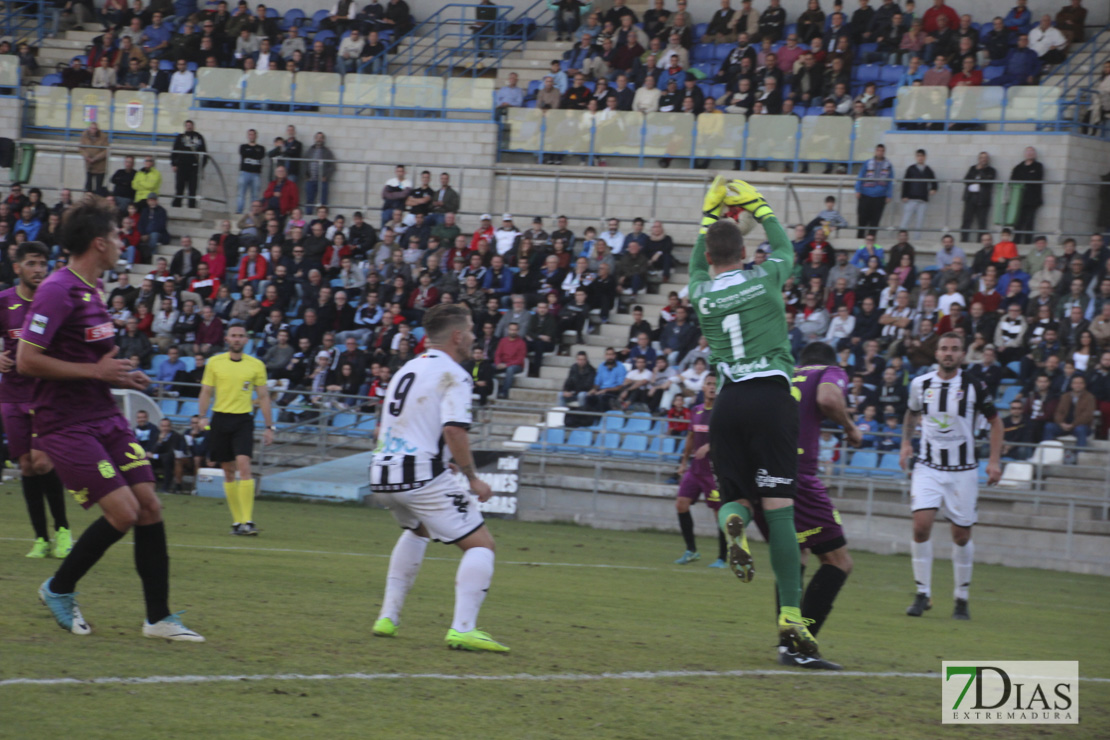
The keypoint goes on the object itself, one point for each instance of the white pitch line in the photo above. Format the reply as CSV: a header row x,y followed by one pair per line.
x,y
573,677
605,566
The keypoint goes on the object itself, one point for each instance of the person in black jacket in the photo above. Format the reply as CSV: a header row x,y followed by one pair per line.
x,y
169,453
187,160
772,22
978,188
121,181
918,184
580,379
1030,172
481,370
251,156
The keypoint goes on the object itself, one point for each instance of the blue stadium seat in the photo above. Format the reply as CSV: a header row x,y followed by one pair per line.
x,y
533,88
887,92
993,73
1009,393
366,426
190,362
1014,367
165,65
633,445
890,74
578,441
344,420
700,29
328,37
51,80
654,450
702,53
709,69
671,448
552,438
317,18
864,49
862,461
889,466
189,407
705,88
168,406
721,51
983,472
867,72
418,334
607,443
640,423
293,17
717,90
83,57
791,28
886,113
156,362
271,13
614,421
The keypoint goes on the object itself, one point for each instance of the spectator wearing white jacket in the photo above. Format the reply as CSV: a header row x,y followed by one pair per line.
x,y
841,326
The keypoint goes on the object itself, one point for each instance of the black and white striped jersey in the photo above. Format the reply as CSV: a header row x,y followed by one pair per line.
x,y
949,417
429,392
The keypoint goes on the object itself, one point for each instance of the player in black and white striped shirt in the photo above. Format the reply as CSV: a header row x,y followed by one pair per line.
x,y
947,403
422,442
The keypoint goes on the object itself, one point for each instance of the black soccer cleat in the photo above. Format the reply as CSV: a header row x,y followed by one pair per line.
x,y
960,611
788,657
248,529
921,604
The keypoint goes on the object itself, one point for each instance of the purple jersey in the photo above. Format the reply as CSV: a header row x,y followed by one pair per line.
x,y
14,388
69,320
699,424
807,380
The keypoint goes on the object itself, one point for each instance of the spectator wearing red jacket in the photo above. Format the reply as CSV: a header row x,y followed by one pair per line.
x,y
485,231
335,252
929,20
210,331
968,76
424,296
215,259
205,284
509,357
281,194
253,267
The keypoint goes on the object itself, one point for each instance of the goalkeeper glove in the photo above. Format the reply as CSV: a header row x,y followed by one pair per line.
x,y
740,193
713,204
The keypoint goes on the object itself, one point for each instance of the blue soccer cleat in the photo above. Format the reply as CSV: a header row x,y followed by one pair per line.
x,y
65,610
687,557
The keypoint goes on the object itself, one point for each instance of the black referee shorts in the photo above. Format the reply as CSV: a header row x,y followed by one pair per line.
x,y
753,440
231,435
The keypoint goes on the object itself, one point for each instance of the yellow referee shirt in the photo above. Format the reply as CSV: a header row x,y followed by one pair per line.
x,y
234,382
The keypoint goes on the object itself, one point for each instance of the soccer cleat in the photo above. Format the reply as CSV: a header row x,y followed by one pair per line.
x,y
171,628
739,556
921,604
40,549
63,543
474,640
740,193
385,627
796,630
718,563
960,610
788,657
65,610
236,528
687,557
249,529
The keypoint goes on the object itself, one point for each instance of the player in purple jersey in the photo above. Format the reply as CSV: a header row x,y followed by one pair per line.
x,y
819,386
68,343
697,479
38,478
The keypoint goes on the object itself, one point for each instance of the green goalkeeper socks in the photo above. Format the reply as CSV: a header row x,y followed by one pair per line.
x,y
733,507
785,559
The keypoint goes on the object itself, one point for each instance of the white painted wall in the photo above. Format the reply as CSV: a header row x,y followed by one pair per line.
x,y
702,10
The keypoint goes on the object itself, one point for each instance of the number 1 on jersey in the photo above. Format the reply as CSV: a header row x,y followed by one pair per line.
x,y
731,324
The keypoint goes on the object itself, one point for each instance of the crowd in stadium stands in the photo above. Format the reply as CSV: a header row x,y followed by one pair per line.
x,y
750,62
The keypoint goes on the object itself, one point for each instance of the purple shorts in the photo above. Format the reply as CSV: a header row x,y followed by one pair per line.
x,y
816,520
97,457
694,484
17,428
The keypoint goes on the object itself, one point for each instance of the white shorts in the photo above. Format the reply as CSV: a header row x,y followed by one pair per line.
x,y
446,509
957,491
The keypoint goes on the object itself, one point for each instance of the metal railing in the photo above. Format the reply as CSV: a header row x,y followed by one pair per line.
x,y
1073,78
24,20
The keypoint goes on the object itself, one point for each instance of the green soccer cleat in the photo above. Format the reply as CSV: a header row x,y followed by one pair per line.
x,y
718,563
63,543
474,640
40,549
384,627
795,628
739,556
687,557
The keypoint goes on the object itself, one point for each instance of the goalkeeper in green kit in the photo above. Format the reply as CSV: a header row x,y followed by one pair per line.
x,y
753,433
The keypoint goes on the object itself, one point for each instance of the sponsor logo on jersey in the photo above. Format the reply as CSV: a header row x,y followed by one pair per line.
x,y
944,423
38,323
14,306
107,470
738,369
100,331
763,479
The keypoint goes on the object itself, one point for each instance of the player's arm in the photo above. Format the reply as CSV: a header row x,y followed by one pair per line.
x,y
32,361
712,207
204,400
998,432
687,450
458,441
830,400
909,424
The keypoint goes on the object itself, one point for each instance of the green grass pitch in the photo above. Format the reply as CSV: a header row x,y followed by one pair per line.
x,y
301,599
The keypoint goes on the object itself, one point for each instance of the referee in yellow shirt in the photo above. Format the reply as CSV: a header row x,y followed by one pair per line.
x,y
234,377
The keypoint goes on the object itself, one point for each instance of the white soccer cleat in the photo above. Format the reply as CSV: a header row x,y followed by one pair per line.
x,y
171,628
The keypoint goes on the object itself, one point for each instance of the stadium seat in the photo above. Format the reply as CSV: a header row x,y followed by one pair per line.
x,y
1009,393
700,29
156,362
864,49
640,423
671,449
889,466
992,73
271,13
51,80
654,450
344,420
367,426
613,421
633,445
165,65
982,472
891,74
862,462
523,436
791,28
168,406
888,92
721,52
317,18
189,407
552,438
578,441
867,73
608,442
1014,367
702,53
709,69
191,364
328,37
1016,474
293,17
717,90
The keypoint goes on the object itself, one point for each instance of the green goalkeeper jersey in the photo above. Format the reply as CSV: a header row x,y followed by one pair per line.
x,y
742,314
